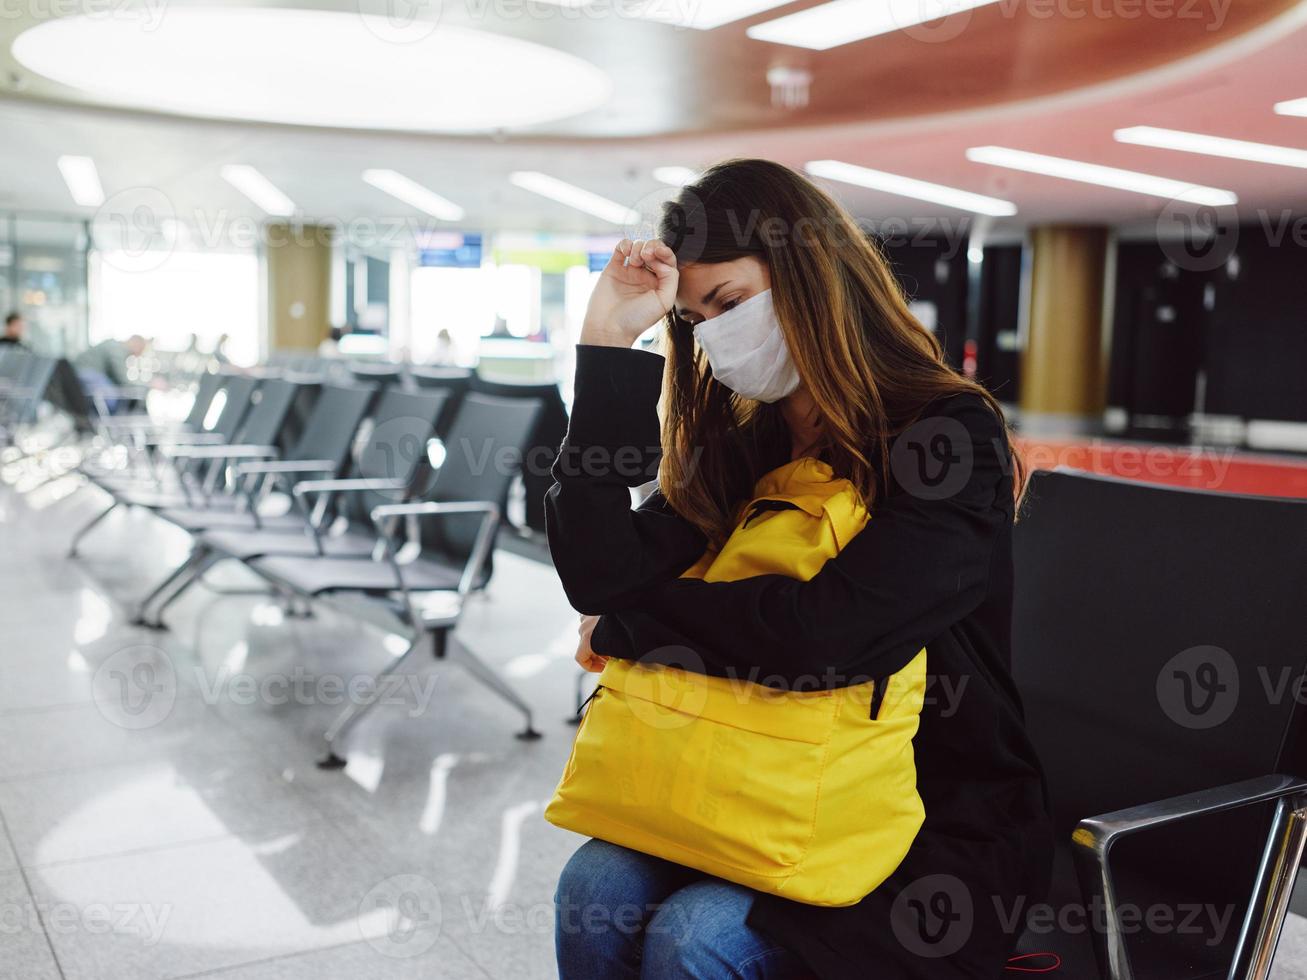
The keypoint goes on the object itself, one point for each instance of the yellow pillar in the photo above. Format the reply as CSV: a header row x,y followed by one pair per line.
x,y
298,266
1063,366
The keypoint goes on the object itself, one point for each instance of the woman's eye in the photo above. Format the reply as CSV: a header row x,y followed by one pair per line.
x,y
730,304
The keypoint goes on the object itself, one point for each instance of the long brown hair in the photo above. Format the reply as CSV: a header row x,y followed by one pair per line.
x,y
870,367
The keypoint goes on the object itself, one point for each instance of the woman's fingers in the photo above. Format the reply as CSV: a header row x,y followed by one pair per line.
x,y
585,655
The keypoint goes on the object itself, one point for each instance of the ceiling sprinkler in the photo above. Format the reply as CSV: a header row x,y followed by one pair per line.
x,y
789,86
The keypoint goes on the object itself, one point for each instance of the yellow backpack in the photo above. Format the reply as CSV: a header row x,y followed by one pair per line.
x,y
810,795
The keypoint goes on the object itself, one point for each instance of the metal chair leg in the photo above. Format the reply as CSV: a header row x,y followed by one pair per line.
x,y
484,673
170,589
86,529
354,712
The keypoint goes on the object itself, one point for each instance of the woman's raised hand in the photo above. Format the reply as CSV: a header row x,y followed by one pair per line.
x,y
635,291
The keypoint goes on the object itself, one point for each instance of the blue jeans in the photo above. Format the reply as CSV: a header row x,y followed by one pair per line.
x,y
623,914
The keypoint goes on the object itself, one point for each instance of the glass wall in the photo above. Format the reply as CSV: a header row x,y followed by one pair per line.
x,y
43,276
181,300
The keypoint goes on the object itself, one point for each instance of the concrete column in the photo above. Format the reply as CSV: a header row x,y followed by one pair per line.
x,y
1063,366
298,276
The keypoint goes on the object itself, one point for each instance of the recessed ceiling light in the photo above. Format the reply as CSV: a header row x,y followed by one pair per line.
x,y
846,21
1093,173
703,15
573,196
414,194
313,67
919,190
675,176
1215,146
258,189
83,180
1294,107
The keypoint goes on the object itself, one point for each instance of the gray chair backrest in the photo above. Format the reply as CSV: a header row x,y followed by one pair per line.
x,y
13,362
267,414
483,452
329,431
208,386
237,393
394,445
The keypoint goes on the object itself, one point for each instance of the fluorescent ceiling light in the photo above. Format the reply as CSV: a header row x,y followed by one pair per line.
x,y
314,68
1215,146
1294,107
675,176
919,190
414,194
846,21
702,15
258,189
573,196
83,180
1093,173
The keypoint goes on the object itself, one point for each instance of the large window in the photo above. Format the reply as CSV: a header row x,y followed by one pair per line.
x,y
204,294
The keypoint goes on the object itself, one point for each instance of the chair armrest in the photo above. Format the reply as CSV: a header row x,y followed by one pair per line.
x,y
349,483
1094,837
223,452
185,438
419,509
290,466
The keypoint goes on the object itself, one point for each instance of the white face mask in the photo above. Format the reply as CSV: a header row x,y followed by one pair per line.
x,y
747,351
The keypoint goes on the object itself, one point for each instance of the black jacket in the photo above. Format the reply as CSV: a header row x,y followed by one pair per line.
x,y
933,568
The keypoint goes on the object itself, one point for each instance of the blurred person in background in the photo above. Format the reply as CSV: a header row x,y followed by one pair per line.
x,y
330,346
15,330
444,353
103,367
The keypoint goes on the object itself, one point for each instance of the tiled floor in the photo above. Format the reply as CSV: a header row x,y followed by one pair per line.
x,y
188,833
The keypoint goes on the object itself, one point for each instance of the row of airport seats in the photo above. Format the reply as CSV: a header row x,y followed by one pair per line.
x,y
1157,650
542,444
380,494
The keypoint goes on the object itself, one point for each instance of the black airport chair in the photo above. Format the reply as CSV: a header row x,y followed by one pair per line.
x,y
456,527
1157,646
333,516
197,459
542,445
454,380
322,449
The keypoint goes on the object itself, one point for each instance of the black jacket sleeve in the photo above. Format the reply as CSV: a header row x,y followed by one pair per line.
x,y
605,552
921,565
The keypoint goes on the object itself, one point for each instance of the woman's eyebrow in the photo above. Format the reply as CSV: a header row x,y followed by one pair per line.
x,y
682,312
